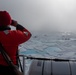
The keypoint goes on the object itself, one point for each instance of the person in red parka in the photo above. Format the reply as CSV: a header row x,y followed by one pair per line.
x,y
10,40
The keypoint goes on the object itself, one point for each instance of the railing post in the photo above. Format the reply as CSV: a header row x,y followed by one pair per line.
x,y
23,65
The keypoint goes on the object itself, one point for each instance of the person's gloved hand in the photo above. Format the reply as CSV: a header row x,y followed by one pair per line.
x,y
14,23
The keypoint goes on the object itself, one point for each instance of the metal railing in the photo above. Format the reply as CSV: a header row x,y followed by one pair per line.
x,y
23,64
24,57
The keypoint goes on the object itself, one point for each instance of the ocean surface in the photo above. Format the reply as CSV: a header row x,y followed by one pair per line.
x,y
50,45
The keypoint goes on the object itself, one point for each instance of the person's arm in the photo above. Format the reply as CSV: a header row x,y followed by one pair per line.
x,y
19,27
25,34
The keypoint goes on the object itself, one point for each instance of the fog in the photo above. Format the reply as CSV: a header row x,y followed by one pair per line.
x,y
43,15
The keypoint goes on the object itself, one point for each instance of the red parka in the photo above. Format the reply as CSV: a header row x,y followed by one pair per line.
x,y
11,39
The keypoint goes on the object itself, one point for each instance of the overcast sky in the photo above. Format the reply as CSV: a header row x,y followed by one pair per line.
x,y
57,15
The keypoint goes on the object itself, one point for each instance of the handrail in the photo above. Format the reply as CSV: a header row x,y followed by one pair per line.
x,y
39,58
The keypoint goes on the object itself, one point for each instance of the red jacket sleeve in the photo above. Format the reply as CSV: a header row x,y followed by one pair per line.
x,y
21,35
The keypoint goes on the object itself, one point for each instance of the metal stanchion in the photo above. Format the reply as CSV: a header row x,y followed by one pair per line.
x,y
23,65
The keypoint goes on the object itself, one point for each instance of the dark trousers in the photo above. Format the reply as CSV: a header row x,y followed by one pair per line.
x,y
6,70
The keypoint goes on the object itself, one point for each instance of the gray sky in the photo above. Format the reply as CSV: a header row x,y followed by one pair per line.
x,y
43,14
